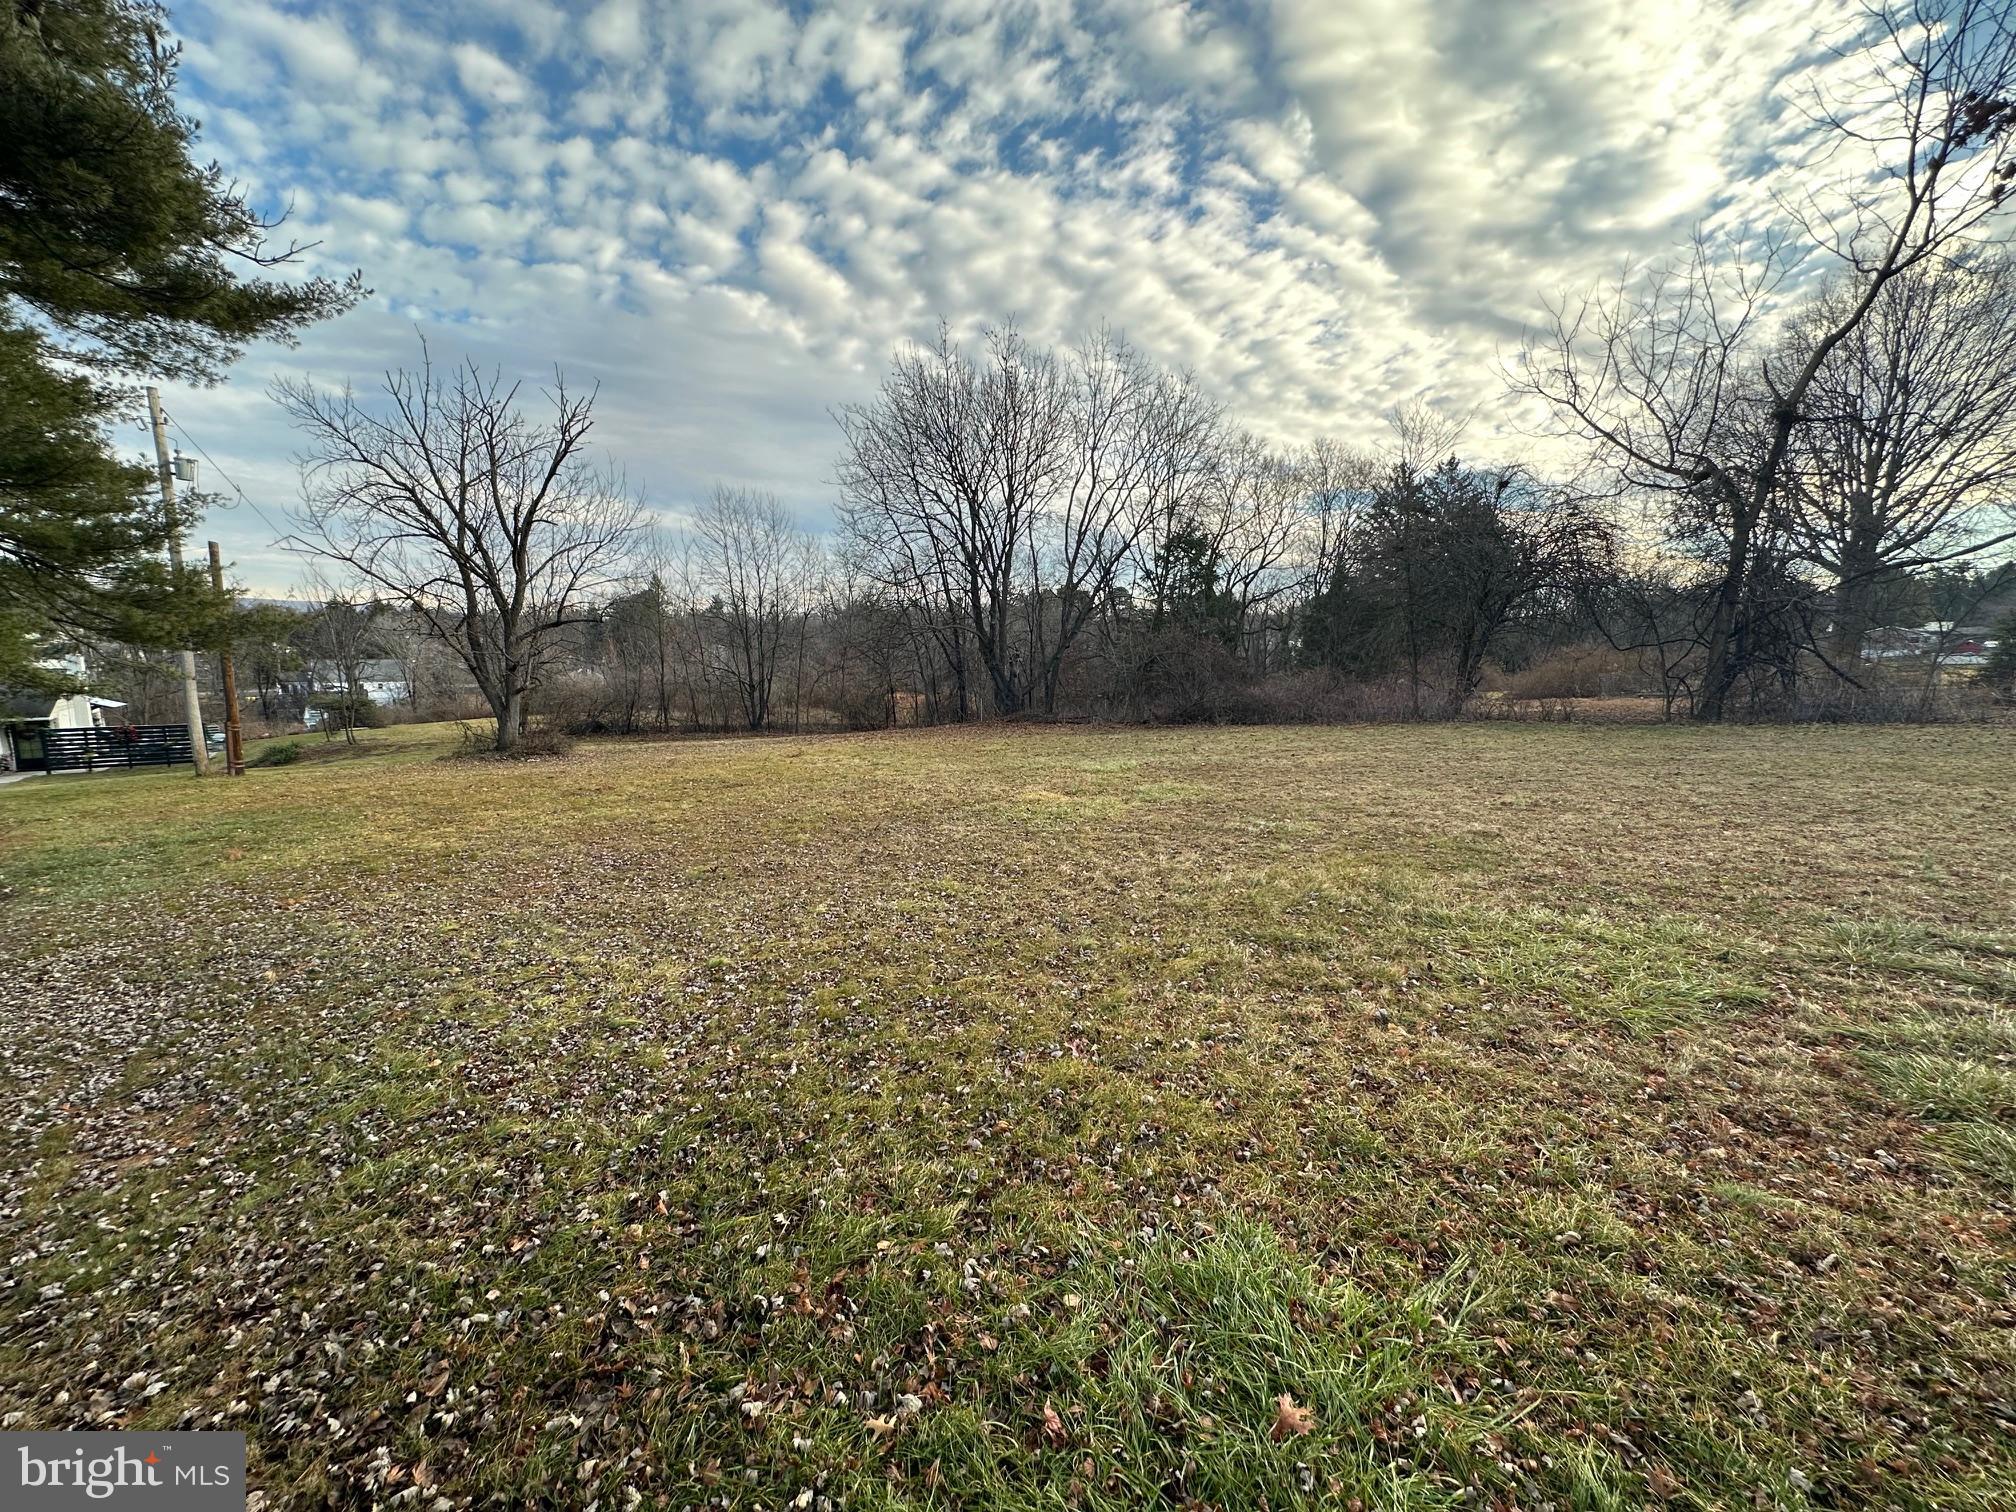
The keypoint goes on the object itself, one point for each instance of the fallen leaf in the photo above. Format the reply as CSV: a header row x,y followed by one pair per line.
x,y
1053,1425
1290,1419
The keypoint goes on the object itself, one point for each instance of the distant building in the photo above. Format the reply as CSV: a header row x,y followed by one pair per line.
x,y
385,681
24,717
1956,647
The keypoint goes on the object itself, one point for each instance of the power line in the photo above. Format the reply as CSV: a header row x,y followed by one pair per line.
x,y
279,535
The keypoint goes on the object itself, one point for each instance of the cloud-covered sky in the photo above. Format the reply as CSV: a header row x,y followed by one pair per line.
x,y
729,211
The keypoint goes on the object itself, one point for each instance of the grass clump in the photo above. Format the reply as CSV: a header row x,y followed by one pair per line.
x,y
1947,1087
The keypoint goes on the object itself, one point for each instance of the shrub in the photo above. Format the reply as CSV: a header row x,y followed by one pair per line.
x,y
1522,710
1592,670
865,706
457,709
1999,675
1884,699
542,740
476,739
584,705
1319,697
1219,692
285,753
1172,676
340,709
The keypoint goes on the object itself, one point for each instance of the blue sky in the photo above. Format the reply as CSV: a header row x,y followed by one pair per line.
x,y
727,212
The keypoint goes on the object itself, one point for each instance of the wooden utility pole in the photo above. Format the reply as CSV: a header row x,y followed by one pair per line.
x,y
192,705
234,738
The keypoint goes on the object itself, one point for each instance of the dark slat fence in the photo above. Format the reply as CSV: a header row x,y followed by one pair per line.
x,y
116,746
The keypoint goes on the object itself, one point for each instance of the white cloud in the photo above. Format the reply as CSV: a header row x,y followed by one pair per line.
x,y
615,29
486,76
475,225
383,216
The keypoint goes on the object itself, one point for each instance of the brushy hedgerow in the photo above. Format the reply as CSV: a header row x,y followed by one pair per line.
x,y
1428,1117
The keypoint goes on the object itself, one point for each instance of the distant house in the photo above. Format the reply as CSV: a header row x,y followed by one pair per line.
x,y
1892,642
1963,647
1957,647
383,680
1968,648
25,717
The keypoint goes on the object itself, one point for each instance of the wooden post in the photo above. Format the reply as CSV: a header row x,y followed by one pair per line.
x,y
234,739
191,704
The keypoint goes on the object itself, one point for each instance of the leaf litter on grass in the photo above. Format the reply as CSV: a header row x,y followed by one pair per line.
x,y
775,1123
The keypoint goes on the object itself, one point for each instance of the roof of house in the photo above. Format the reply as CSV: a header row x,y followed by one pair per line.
x,y
384,669
26,705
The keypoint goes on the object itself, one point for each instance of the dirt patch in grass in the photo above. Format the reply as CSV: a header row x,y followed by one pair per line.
x,y
1496,1115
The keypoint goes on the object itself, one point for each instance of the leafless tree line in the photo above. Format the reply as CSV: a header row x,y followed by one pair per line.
x,y
1026,531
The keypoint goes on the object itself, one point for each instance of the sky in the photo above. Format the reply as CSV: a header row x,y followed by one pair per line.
x,y
729,212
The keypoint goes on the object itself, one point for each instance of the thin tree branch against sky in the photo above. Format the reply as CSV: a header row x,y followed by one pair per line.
x,y
730,212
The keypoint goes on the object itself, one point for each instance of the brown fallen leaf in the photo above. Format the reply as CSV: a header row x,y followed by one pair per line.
x,y
436,1381
1290,1419
1665,1485
881,1427
1053,1425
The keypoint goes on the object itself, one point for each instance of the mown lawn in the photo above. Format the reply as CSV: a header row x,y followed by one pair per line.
x,y
1479,1116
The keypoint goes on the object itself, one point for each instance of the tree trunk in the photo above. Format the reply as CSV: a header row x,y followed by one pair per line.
x,y
1855,596
1724,640
510,719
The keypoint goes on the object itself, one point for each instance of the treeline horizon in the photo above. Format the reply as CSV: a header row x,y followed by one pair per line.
x,y
1077,533
1131,556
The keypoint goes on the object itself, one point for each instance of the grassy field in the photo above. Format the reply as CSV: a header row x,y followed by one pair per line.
x,y
1492,1115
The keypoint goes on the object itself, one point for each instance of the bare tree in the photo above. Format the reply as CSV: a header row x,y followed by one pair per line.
x,y
340,636
1669,378
759,571
1652,610
1336,483
421,658
645,638
1138,442
1907,458
493,528
1015,492
1254,510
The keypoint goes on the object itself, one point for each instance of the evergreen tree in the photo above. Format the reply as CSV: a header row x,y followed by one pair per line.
x,y
1189,592
1448,562
1956,594
120,256
80,535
